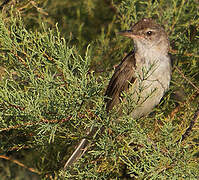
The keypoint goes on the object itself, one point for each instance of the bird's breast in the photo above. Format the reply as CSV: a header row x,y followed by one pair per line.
x,y
153,79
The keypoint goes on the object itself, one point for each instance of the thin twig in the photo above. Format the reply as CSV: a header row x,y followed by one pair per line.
x,y
36,123
192,123
81,116
19,164
172,51
181,73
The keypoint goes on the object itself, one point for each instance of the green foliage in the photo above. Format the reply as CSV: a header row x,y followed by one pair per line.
x,y
46,89
53,80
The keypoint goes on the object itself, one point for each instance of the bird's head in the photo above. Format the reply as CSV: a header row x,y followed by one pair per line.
x,y
146,34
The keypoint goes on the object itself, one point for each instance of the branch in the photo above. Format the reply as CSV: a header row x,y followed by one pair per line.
x,y
181,73
192,123
19,164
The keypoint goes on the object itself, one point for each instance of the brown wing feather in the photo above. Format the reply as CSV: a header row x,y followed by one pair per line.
x,y
119,82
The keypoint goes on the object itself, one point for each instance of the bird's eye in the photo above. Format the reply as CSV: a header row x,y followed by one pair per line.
x,y
149,33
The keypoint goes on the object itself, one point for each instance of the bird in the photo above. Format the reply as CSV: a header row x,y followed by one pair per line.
x,y
145,73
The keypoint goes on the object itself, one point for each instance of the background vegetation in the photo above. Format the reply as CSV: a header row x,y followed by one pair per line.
x,y
56,58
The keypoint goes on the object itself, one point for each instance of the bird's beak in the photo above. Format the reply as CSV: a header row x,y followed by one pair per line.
x,y
127,33
130,34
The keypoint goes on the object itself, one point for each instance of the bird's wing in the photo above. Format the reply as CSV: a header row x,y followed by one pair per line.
x,y
124,74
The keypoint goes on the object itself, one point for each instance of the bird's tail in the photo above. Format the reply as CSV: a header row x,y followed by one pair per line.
x,y
81,149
